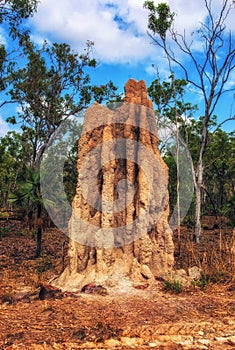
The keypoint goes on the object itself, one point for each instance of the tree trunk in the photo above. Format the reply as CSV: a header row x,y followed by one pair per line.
x,y
197,229
119,233
198,191
39,231
178,187
200,171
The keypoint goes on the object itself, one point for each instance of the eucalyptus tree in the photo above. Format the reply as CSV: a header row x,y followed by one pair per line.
x,y
173,114
51,87
12,15
209,70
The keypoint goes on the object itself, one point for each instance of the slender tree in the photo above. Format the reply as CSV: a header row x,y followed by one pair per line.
x,y
52,87
29,198
173,110
209,72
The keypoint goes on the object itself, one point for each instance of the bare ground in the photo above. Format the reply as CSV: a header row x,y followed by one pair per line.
x,y
148,318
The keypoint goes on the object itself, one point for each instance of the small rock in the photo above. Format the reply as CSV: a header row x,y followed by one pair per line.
x,y
112,343
132,342
153,345
194,273
181,273
6,299
174,338
201,333
25,294
92,288
87,345
186,342
221,339
141,286
181,276
159,279
231,340
204,341
146,272
50,292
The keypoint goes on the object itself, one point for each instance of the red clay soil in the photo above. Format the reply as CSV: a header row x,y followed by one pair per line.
x,y
201,317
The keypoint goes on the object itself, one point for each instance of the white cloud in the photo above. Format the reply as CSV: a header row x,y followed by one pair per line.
x,y
118,27
159,70
4,127
39,40
151,70
231,81
3,40
188,15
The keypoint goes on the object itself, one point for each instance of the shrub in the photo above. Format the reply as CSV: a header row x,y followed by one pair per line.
x,y
173,286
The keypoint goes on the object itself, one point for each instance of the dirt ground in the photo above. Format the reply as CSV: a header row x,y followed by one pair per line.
x,y
200,317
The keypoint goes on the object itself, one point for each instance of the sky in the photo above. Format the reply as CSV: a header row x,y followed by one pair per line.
x,y
122,46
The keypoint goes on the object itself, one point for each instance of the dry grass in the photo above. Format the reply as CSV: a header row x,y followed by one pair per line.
x,y
214,254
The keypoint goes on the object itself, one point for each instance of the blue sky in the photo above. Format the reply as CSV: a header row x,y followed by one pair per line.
x,y
119,30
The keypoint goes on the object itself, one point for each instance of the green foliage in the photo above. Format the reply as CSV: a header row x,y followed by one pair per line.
x,y
168,97
160,18
219,277
70,173
14,159
52,87
4,231
3,55
64,150
105,92
17,10
28,197
207,71
28,191
202,282
216,277
13,12
173,286
41,87
220,174
172,110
